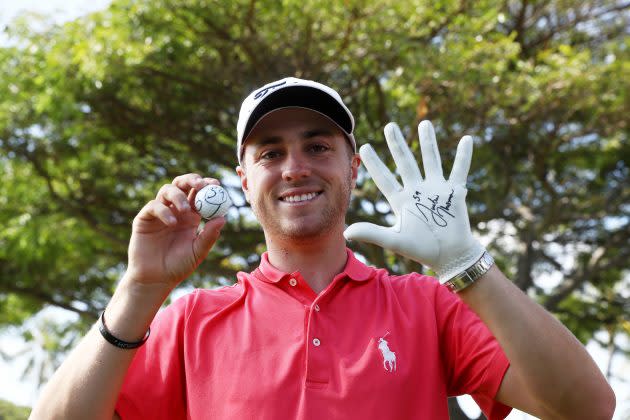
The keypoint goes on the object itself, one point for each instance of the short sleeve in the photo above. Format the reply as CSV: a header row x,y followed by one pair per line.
x,y
475,363
154,386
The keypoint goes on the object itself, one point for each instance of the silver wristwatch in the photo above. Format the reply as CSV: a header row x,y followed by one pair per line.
x,y
468,276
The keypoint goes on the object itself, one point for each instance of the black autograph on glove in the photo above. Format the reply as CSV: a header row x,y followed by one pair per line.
x,y
438,212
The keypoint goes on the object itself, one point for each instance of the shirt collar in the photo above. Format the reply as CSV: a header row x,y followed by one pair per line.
x,y
354,269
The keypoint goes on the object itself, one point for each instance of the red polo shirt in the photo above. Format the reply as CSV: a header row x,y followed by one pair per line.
x,y
369,346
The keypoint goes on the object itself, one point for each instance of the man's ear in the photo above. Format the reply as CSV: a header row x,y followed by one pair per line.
x,y
354,168
242,173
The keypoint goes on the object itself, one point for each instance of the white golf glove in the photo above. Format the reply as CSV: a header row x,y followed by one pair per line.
x,y
432,225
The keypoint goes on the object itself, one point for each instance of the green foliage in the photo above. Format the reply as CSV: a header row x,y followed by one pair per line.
x,y
98,113
9,411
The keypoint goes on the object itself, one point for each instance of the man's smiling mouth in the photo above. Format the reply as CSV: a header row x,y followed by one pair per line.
x,y
297,198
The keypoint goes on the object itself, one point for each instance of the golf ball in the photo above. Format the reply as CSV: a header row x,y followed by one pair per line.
x,y
212,201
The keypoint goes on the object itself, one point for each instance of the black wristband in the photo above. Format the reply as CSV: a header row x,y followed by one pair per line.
x,y
117,341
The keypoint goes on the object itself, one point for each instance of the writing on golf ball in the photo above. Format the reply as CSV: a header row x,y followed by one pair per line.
x,y
212,201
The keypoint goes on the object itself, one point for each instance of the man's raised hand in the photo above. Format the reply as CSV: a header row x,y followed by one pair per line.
x,y
165,245
432,225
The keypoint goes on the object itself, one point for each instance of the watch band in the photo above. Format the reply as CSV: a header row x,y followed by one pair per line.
x,y
468,276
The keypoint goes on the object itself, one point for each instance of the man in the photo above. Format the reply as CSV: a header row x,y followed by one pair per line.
x,y
313,332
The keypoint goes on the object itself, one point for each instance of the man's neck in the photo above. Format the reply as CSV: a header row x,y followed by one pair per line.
x,y
318,260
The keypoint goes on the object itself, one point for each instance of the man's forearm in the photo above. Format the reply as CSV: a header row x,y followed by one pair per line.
x,y
88,382
558,376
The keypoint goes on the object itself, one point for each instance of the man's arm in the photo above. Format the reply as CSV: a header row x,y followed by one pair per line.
x,y
551,375
89,380
165,247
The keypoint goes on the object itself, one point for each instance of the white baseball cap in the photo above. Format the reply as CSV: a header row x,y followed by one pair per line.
x,y
292,92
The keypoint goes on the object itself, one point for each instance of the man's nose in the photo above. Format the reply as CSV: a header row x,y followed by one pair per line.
x,y
296,166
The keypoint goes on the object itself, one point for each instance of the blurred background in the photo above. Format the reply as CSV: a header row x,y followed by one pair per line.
x,y
102,102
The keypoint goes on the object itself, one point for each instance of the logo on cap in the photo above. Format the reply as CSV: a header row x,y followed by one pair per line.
x,y
262,92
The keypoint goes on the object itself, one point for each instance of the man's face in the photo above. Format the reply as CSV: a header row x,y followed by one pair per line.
x,y
297,174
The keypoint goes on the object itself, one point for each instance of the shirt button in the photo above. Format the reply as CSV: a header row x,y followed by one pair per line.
x,y
316,342
293,282
316,307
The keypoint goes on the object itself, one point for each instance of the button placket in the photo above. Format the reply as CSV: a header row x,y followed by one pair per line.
x,y
318,350
317,355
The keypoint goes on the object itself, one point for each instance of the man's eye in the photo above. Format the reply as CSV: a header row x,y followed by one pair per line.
x,y
318,148
271,154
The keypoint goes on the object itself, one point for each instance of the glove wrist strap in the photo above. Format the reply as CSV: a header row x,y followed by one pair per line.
x,y
471,274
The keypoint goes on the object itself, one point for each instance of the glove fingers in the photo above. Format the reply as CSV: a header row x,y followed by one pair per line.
x,y
405,161
461,166
430,154
383,178
371,233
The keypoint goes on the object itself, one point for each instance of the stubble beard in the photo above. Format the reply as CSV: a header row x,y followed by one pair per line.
x,y
332,215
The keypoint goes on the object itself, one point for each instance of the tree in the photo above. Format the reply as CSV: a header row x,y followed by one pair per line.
x,y
97,113
10,411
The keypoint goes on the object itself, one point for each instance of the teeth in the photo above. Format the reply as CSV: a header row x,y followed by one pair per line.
x,y
298,198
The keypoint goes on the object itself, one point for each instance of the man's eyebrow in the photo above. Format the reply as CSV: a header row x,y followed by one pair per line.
x,y
264,141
